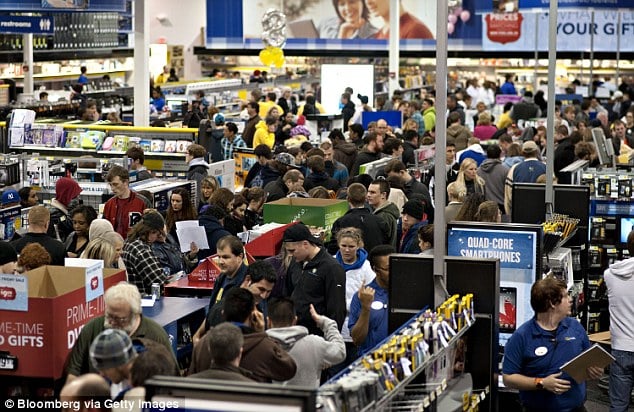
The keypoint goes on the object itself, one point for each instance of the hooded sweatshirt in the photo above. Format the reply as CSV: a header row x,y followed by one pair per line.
x,y
311,353
346,153
620,282
262,135
494,174
389,212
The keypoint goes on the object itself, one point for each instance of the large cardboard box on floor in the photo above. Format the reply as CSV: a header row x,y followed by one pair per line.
x,y
313,212
41,337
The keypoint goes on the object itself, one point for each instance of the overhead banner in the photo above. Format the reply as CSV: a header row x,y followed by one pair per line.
x,y
574,31
345,25
517,253
496,6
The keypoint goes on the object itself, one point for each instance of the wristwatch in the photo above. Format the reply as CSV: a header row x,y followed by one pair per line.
x,y
539,383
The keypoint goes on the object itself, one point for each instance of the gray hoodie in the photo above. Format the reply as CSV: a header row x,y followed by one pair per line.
x,y
620,282
494,172
311,353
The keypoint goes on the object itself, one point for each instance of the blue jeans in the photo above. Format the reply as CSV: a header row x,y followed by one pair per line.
x,y
621,380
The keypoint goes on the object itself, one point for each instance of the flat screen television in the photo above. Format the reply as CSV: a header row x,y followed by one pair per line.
x,y
191,394
529,206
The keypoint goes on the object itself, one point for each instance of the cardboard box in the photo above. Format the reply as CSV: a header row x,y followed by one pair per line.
x,y
268,243
313,212
42,337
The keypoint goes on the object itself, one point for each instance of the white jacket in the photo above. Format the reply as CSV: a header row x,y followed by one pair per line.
x,y
620,282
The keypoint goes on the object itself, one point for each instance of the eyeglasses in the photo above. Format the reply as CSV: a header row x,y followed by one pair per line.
x,y
119,320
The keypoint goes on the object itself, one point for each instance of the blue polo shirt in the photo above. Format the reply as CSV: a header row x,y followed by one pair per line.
x,y
377,329
531,351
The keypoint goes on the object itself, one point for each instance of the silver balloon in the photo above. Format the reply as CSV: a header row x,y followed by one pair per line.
x,y
274,28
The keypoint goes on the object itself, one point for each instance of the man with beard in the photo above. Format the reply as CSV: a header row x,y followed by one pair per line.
x,y
123,311
231,262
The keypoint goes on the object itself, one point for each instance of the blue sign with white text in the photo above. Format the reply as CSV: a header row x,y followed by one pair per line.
x,y
516,250
26,24
578,4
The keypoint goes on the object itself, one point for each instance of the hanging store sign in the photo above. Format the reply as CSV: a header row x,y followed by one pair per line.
x,y
26,25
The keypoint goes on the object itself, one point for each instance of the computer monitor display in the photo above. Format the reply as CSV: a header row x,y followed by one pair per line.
x,y
626,224
373,168
603,145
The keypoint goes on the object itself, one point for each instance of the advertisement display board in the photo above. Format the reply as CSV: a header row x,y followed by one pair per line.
x,y
517,251
575,30
352,25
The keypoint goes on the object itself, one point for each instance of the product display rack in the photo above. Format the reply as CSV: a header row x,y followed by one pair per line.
x,y
163,164
417,389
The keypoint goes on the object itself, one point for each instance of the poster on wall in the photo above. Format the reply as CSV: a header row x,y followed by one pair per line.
x,y
517,252
349,19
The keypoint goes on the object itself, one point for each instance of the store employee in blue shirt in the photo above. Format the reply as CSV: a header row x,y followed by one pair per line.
x,y
83,79
368,309
536,351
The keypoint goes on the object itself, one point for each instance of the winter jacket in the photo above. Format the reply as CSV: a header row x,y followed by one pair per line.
x,y
525,110
619,281
346,153
347,111
322,282
338,171
408,153
311,353
375,230
124,213
261,355
222,285
409,241
390,213
494,172
198,170
276,190
321,179
262,135
214,231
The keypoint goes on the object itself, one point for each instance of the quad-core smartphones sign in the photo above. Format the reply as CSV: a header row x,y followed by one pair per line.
x,y
516,251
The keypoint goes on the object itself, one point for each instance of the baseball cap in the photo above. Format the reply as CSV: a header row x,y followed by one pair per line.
x,y
285,158
298,233
362,98
110,349
10,195
530,147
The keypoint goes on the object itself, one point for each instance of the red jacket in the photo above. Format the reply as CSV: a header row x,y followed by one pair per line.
x,y
124,213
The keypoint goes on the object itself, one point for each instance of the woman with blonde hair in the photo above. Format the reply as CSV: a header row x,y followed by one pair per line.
x,y
484,130
100,249
207,187
468,177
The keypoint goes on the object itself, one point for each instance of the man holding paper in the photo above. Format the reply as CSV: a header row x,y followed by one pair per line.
x,y
619,280
535,353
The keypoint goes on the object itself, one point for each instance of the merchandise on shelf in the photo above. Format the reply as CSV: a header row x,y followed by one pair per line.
x,y
428,343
